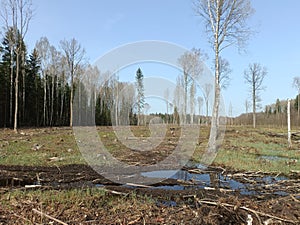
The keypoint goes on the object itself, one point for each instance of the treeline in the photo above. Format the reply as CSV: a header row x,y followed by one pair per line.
x,y
49,79
274,114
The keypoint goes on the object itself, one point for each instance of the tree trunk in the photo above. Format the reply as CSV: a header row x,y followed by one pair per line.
x,y
24,84
62,100
185,96
213,138
289,123
71,99
45,99
71,108
254,101
52,101
11,87
207,112
298,108
16,94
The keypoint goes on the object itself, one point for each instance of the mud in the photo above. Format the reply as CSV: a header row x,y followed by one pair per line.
x,y
192,196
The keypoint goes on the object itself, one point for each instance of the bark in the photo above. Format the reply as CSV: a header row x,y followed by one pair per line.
x,y
212,143
11,87
71,98
16,94
254,101
45,98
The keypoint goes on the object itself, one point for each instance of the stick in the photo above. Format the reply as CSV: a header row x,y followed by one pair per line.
x,y
114,192
295,199
138,185
249,210
49,217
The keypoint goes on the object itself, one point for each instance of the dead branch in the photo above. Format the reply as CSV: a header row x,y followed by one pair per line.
x,y
114,192
138,185
49,217
295,199
248,210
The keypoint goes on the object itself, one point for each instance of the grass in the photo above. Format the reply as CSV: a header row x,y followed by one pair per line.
x,y
240,150
74,204
18,149
243,152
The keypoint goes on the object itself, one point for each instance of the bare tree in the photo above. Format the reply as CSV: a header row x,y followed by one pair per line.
x,y
16,15
192,102
178,100
92,76
225,22
43,49
200,103
190,63
166,96
230,113
247,105
296,84
74,54
254,77
54,70
207,91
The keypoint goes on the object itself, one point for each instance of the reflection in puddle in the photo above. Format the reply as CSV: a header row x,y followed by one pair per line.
x,y
216,180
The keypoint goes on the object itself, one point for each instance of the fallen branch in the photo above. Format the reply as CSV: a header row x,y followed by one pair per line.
x,y
248,210
33,186
138,185
49,217
114,192
295,199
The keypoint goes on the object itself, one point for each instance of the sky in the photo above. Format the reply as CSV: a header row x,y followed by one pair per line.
x,y
103,25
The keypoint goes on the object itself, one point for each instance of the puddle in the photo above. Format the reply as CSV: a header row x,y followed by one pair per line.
x,y
215,180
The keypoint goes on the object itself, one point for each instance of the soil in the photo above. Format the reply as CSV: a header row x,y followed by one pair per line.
x,y
45,194
191,206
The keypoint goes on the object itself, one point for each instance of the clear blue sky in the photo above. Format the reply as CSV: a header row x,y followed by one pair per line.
x,y
101,25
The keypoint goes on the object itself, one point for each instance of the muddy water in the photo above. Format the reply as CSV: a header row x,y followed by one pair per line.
x,y
245,184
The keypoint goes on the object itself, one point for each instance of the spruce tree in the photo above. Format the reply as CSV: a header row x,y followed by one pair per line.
x,y
140,93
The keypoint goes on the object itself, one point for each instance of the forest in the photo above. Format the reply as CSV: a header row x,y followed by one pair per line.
x,y
47,75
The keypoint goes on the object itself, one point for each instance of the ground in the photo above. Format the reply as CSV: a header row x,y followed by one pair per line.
x,y
45,180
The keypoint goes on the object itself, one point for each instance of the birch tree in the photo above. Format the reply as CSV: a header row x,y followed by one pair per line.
x,y
17,14
225,23
192,102
296,84
166,96
92,76
74,54
207,92
54,70
190,63
200,103
43,49
254,77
